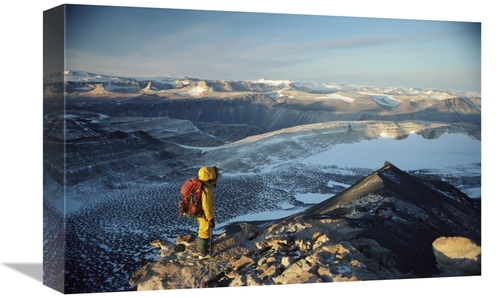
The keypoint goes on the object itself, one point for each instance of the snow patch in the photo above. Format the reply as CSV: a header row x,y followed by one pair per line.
x,y
312,198
196,91
334,183
385,100
473,192
343,269
336,96
439,95
271,82
266,215
412,153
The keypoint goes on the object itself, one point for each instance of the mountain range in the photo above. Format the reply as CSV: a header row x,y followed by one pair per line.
x,y
82,81
233,110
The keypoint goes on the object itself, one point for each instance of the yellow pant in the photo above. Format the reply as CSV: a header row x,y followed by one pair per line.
x,y
204,228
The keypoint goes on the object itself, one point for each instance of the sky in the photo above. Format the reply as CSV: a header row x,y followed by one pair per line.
x,y
239,45
21,158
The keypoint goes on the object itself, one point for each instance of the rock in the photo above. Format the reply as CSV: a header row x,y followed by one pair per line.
x,y
162,244
179,248
320,240
165,246
325,274
186,240
248,231
342,278
303,245
457,256
238,281
285,263
253,280
142,275
270,272
371,249
295,274
241,262
274,243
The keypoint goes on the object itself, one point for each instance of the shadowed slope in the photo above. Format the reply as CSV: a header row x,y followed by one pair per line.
x,y
405,214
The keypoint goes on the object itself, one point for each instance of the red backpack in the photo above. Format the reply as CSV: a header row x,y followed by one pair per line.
x,y
190,204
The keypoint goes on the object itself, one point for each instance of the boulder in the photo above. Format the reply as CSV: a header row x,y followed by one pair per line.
x,y
457,256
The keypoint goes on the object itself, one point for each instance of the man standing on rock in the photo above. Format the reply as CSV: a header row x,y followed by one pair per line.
x,y
208,176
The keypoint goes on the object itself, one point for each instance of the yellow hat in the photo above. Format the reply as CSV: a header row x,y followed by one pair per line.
x,y
208,173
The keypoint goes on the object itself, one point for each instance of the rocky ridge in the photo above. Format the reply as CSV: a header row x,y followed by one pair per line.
x,y
340,239
300,251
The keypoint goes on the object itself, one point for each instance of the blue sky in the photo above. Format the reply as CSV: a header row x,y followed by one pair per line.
x,y
136,41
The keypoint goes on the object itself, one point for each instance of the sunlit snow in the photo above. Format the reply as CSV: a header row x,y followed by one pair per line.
x,y
412,153
336,96
193,92
271,82
385,100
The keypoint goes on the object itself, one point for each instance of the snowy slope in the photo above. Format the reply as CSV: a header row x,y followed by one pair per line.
x,y
328,144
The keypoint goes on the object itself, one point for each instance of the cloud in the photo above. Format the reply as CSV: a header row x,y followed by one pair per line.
x,y
352,42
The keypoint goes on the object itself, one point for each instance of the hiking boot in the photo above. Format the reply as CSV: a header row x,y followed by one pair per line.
x,y
205,256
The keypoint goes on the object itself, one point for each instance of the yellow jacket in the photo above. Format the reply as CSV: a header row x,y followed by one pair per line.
x,y
207,201
208,176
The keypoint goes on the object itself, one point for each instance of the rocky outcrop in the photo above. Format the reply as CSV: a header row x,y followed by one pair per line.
x,y
147,89
457,256
387,226
98,90
404,214
300,251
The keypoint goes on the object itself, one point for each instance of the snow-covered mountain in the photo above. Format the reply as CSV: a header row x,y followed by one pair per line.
x,y
159,83
84,76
